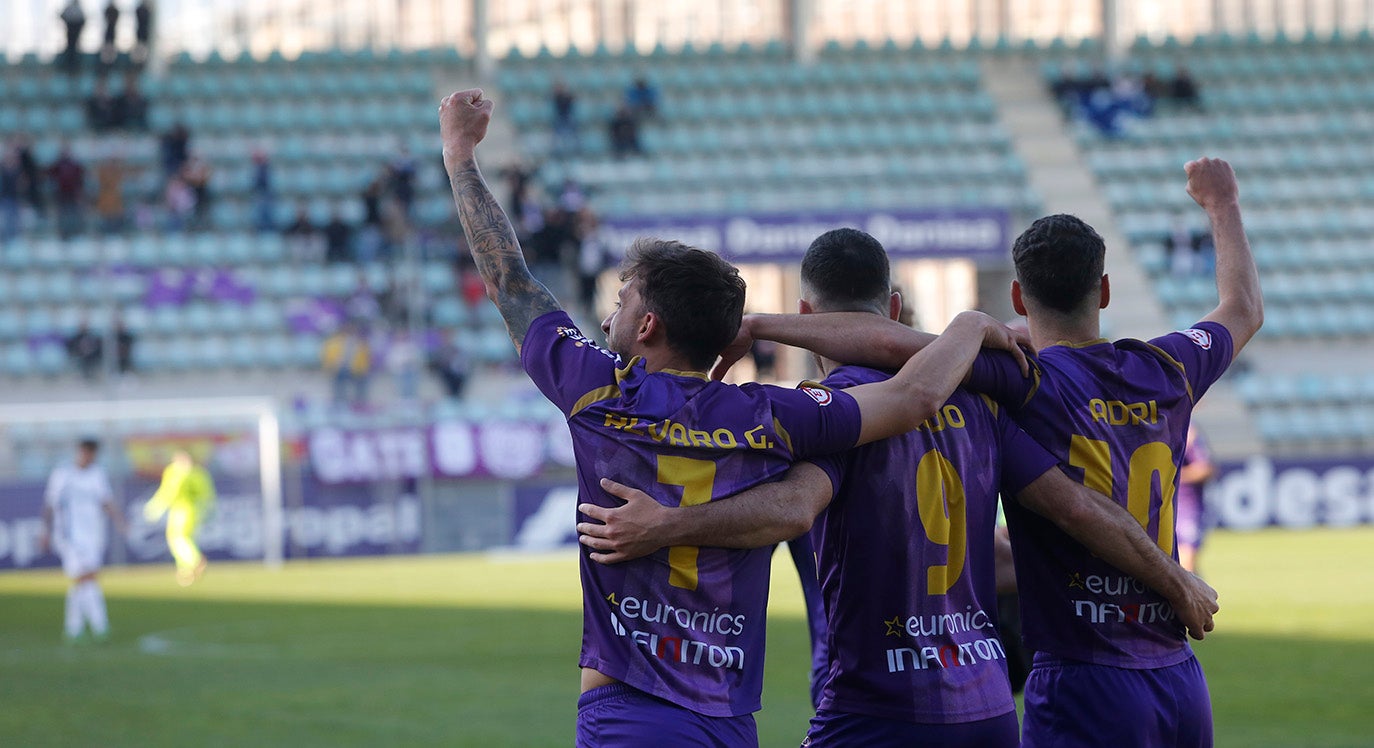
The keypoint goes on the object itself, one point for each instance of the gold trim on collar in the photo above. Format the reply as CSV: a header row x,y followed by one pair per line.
x,y
693,374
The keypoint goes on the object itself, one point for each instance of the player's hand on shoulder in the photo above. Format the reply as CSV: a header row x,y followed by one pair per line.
x,y
737,350
625,532
1212,183
997,336
463,120
1196,606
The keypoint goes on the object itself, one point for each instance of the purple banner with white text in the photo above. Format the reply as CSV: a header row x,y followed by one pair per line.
x,y
1263,492
452,449
975,234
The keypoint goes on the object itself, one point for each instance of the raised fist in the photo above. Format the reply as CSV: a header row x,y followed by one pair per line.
x,y
1212,183
463,120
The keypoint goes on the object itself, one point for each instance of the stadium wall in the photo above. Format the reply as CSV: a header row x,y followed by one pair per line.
x,y
415,512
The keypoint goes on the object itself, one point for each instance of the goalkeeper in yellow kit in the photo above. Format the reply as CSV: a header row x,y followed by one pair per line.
x,y
185,496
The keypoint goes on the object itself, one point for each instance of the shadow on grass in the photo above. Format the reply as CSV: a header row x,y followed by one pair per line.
x,y
180,672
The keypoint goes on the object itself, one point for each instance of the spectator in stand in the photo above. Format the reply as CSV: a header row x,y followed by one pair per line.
x,y
641,98
31,177
180,201
395,231
595,254
362,306
196,174
552,250
176,147
347,359
473,288
143,31
11,190
69,190
109,194
74,20
765,360
264,197
572,198
1062,90
108,52
102,109
84,348
450,363
518,178
403,359
303,238
132,106
624,132
403,180
1185,90
564,120
1155,88
124,346
338,239
370,237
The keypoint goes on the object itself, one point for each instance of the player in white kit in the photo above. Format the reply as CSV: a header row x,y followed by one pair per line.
x,y
77,499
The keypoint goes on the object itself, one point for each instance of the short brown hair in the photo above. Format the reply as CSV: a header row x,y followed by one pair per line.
x,y
698,295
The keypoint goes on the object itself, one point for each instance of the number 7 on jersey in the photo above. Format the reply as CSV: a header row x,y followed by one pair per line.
x,y
697,478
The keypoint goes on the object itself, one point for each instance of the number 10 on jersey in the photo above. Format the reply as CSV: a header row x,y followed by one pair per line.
x,y
1148,461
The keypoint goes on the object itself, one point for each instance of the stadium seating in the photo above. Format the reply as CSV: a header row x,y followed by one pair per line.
x,y
1296,117
745,129
329,121
1308,176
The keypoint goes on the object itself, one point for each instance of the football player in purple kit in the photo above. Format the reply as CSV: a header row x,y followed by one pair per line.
x,y
905,545
672,646
1194,471
1113,665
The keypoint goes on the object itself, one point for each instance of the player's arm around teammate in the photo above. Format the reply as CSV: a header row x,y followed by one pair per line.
x,y
874,341
775,512
521,298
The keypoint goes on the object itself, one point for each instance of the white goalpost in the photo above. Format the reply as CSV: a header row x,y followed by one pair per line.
x,y
260,410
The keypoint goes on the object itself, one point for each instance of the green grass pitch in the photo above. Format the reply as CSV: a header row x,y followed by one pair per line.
x,y
481,651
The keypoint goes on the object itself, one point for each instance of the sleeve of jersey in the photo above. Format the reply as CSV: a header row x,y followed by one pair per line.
x,y
1203,352
835,465
997,375
815,420
566,366
1023,459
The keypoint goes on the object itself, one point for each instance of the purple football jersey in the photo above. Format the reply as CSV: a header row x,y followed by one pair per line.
x,y
1117,415
905,556
1190,495
685,624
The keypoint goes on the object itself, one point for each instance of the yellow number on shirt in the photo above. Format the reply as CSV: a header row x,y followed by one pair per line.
x,y
941,497
697,479
1150,460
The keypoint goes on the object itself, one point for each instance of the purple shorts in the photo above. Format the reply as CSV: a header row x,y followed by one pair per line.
x,y
1071,703
843,729
619,715
1188,520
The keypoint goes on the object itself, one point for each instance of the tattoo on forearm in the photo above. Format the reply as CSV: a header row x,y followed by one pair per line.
x,y
519,295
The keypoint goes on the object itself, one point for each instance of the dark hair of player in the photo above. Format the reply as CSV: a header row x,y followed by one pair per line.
x,y
698,295
846,270
1059,262
89,444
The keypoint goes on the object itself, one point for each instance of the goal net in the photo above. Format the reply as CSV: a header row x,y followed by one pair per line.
x,y
237,439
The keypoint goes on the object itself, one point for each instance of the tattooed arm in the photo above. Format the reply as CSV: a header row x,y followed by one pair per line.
x,y
463,120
